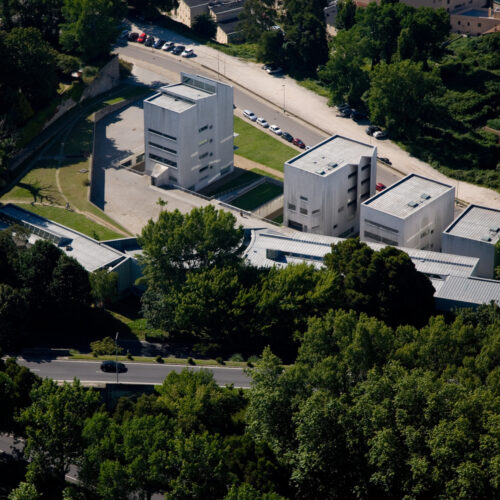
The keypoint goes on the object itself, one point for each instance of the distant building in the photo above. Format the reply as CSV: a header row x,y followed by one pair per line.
x,y
325,185
330,12
411,213
476,233
188,129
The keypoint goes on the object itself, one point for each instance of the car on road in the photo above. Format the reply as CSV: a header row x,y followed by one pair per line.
x,y
380,187
168,46
188,53
384,160
275,129
262,122
297,142
178,50
150,41
113,366
142,38
380,134
133,36
159,43
371,129
250,115
288,137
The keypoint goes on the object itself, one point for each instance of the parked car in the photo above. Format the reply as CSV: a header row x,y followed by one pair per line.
x,y
380,135
113,366
275,129
273,69
142,38
345,113
371,129
357,115
379,186
133,36
250,115
168,46
262,122
297,142
188,53
178,50
288,137
125,34
341,107
385,160
159,43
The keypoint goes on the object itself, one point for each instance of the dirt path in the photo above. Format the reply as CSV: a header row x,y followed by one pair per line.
x,y
247,164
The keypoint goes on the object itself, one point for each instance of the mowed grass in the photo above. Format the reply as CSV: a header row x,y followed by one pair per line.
x,y
232,183
257,196
76,221
260,147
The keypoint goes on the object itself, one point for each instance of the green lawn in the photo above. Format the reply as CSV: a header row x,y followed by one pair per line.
x,y
79,140
78,222
234,183
266,174
257,197
260,147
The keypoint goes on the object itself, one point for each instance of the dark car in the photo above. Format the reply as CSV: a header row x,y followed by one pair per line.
x,y
345,112
298,143
357,115
132,37
385,160
178,49
158,44
371,129
149,41
113,366
288,137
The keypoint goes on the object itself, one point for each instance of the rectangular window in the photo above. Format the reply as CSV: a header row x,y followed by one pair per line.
x,y
303,198
364,167
203,142
162,134
165,161
203,178
205,127
352,188
203,168
204,155
314,227
381,226
291,206
172,178
364,181
364,196
159,146
351,203
352,175
340,209
315,211
303,211
295,225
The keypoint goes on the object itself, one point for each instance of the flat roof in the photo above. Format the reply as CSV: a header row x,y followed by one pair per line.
x,y
467,291
331,154
186,91
408,195
168,102
90,253
476,13
477,223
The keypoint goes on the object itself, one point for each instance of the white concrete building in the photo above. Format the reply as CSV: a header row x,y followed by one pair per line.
x,y
475,233
188,133
325,185
411,213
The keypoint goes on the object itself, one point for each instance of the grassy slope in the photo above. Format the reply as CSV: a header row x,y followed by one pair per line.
x,y
257,197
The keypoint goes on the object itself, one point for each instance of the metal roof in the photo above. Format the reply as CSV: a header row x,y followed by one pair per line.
x,y
331,154
468,290
477,223
90,253
408,195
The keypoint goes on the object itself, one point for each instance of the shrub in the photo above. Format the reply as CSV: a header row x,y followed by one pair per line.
x,y
159,359
129,356
191,361
236,357
104,347
125,69
220,361
249,364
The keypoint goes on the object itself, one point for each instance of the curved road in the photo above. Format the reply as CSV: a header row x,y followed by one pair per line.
x,y
137,373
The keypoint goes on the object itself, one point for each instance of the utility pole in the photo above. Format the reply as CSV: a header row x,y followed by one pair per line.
x,y
116,355
284,87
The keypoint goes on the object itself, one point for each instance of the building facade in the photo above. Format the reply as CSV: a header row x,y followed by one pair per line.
x,y
325,185
188,133
475,233
411,213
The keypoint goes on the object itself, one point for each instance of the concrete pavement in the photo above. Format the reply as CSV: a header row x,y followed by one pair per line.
x,y
285,92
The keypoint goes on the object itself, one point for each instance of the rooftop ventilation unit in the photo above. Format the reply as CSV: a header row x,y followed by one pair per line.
x,y
495,229
332,164
425,196
485,238
320,172
413,204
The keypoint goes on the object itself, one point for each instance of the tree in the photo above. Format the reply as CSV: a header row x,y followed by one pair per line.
x,y
13,316
25,491
104,347
270,48
256,18
54,424
346,15
204,25
103,284
247,492
90,27
400,97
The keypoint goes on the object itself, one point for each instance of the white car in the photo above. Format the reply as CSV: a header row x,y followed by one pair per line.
x,y
275,129
380,134
168,46
262,122
250,115
187,53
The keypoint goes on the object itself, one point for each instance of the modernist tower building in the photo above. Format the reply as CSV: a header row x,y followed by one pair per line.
x,y
325,185
188,129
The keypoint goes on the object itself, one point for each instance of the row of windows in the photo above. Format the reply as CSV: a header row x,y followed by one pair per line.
x,y
159,146
166,161
376,237
162,134
381,226
302,210
203,128
204,155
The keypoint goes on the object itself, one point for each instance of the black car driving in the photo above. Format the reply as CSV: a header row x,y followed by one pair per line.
x,y
113,366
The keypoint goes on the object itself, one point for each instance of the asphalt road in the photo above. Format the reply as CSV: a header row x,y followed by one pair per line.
x,y
169,67
137,373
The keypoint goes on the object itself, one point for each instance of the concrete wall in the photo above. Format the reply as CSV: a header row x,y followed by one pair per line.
x,y
483,250
186,14
270,207
472,25
108,77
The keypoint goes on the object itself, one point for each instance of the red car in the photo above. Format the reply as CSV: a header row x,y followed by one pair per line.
x,y
379,186
298,143
142,38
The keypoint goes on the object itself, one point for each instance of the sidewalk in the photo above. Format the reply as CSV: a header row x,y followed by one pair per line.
x,y
313,109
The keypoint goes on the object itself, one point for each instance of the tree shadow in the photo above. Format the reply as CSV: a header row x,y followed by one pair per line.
x,y
40,193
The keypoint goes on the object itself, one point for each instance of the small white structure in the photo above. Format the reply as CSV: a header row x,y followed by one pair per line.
x,y
411,213
188,130
325,185
475,233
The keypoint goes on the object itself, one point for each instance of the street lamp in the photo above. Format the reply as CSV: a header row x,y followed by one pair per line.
x,y
284,87
116,355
